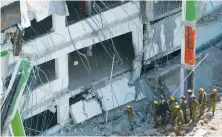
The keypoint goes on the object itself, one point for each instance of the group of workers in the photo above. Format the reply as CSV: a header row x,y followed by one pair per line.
x,y
180,114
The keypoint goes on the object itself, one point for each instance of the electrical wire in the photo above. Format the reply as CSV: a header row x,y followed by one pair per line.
x,y
217,18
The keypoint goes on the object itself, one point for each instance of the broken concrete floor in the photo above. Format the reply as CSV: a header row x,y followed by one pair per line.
x,y
117,123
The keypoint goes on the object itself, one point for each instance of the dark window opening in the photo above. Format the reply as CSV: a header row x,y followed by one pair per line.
x,y
101,61
38,28
78,9
101,6
161,61
40,122
77,98
42,74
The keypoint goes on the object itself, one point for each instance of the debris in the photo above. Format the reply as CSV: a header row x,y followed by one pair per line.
x,y
206,121
202,123
200,132
81,130
140,114
213,128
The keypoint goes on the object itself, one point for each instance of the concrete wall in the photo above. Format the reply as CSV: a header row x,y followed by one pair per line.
x,y
158,9
163,37
116,21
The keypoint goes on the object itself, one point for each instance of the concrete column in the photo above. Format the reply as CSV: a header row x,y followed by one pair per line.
x,y
63,109
61,68
137,38
59,23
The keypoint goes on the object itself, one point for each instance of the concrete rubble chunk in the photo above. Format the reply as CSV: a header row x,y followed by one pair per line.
x,y
118,94
92,108
213,128
200,132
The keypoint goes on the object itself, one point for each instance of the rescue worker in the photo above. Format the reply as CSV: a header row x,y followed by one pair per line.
x,y
130,116
189,91
184,107
202,101
155,107
179,117
172,109
213,101
194,107
163,107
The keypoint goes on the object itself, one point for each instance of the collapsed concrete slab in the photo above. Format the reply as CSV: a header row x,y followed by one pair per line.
x,y
117,94
84,110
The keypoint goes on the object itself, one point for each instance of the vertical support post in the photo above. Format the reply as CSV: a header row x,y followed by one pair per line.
x,y
111,75
188,46
17,125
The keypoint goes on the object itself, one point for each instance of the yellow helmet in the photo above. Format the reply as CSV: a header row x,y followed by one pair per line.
x,y
214,90
163,100
155,102
177,106
189,91
172,98
128,106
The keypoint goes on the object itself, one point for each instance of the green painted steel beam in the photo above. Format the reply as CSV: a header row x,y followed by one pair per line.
x,y
14,114
190,10
17,125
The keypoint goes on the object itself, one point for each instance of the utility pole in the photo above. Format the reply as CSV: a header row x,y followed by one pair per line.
x,y
188,47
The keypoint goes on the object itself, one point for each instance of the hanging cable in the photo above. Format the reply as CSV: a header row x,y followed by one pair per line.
x,y
217,18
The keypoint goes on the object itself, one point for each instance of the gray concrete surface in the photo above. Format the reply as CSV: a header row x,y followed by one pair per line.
x,y
207,75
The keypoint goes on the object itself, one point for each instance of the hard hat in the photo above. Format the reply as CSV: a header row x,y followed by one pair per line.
x,y
128,106
183,97
177,106
214,90
192,96
172,98
163,100
155,102
189,91
201,90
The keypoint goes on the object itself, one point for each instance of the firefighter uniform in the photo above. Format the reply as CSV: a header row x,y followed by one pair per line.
x,y
213,100
130,116
155,107
172,109
189,91
194,107
184,107
163,108
202,101
179,117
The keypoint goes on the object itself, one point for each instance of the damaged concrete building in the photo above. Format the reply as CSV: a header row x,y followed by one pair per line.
x,y
88,55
